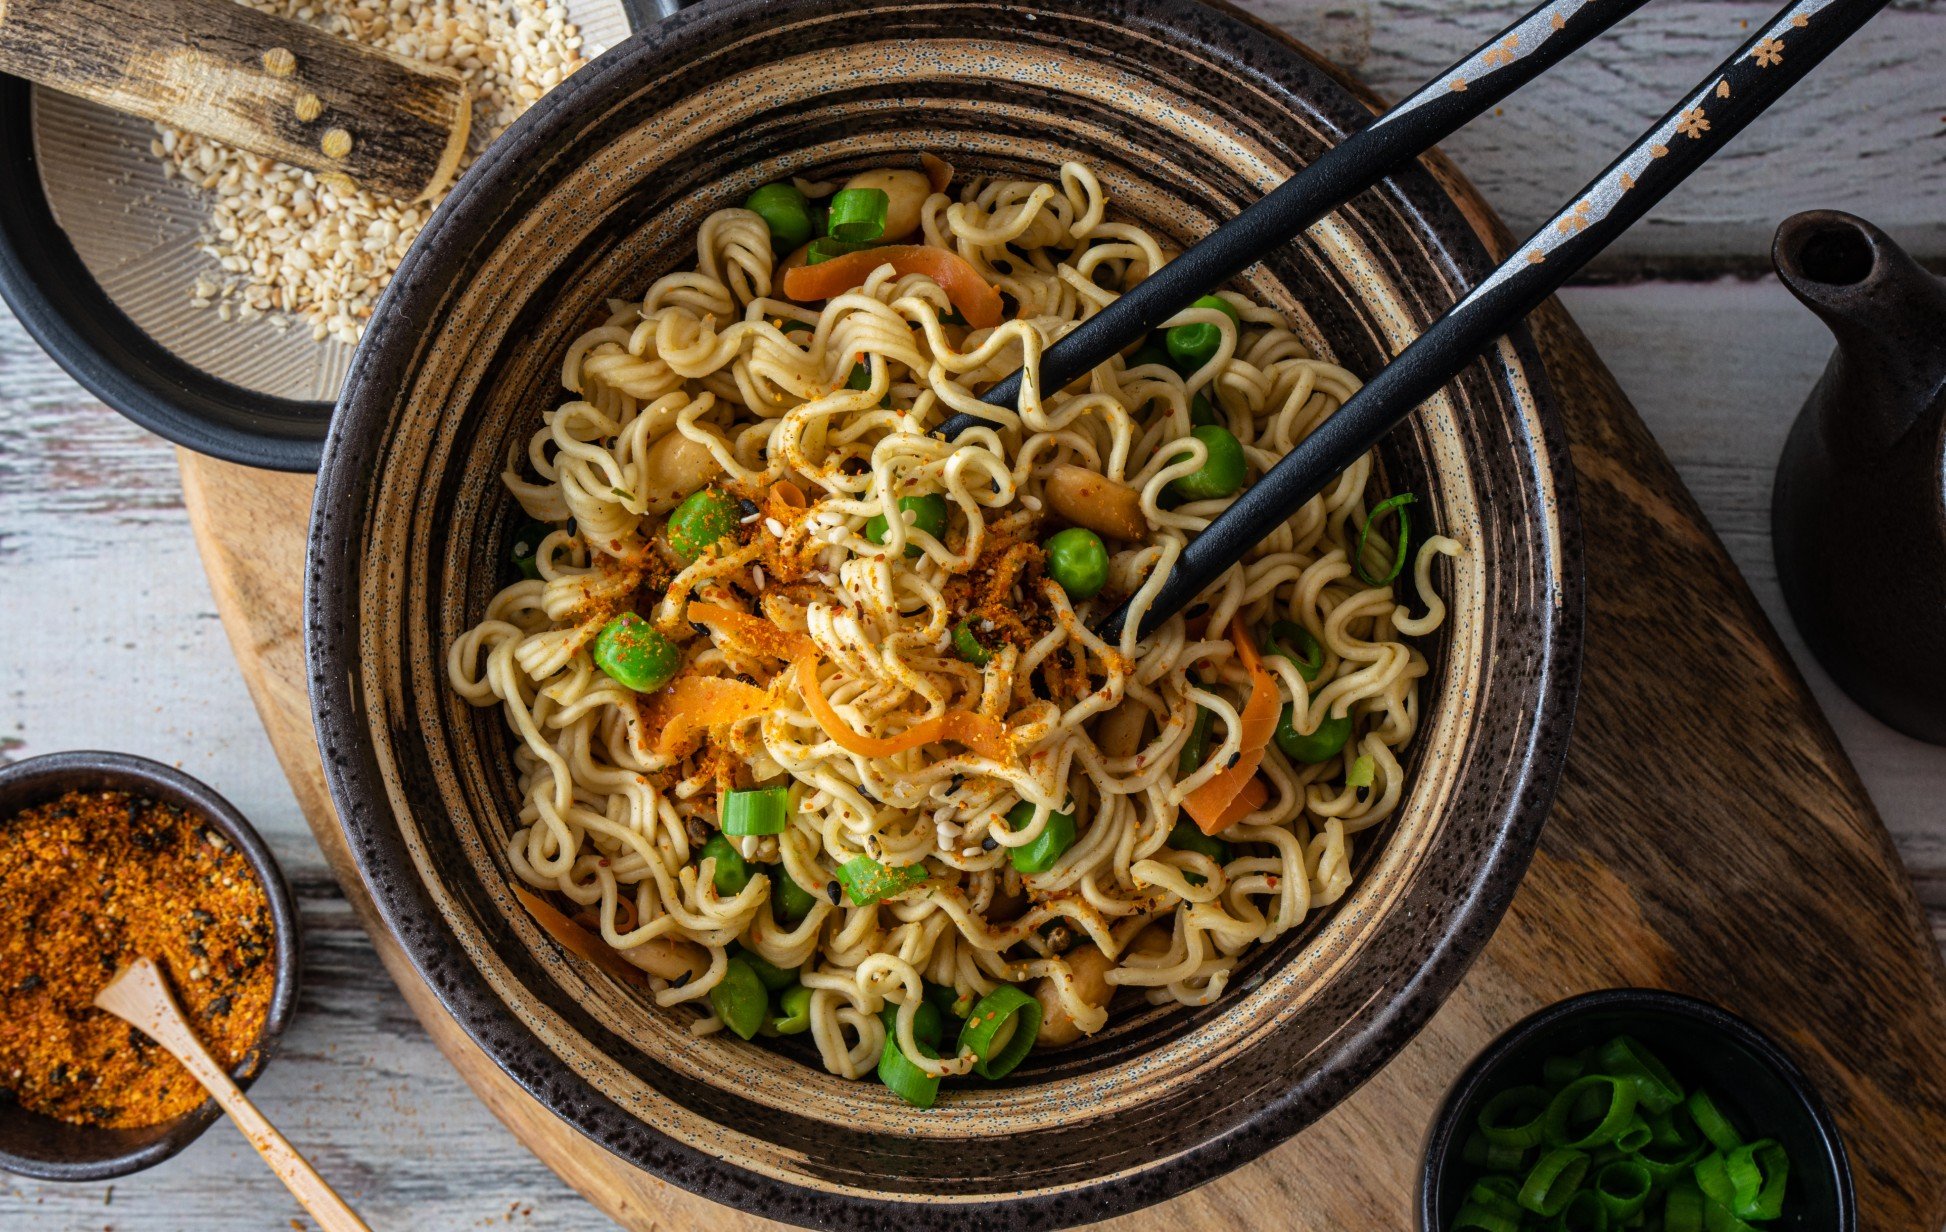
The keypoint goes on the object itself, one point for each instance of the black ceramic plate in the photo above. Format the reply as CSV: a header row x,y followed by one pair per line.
x,y
1187,113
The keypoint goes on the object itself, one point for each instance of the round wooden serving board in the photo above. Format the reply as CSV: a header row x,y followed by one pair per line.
x,y
1710,836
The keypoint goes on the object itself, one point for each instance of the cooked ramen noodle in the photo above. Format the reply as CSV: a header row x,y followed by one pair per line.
x,y
814,733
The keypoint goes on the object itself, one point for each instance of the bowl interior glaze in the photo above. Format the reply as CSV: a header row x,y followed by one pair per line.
x,y
40,1146
1187,113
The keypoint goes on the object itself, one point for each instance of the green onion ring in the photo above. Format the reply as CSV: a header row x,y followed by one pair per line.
x,y
1683,1211
1764,1163
1656,1089
1562,1110
1664,1169
1710,1119
761,810
1713,1178
906,1080
858,215
1473,1218
1294,642
1515,1116
1552,1181
1559,1071
1635,1135
1384,507
1623,1186
1583,1213
985,1034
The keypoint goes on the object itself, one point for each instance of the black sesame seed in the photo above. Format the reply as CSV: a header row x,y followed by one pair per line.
x,y
834,892
746,506
989,843
29,984
219,1006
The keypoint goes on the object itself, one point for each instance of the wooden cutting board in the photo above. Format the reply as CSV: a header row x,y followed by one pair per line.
x,y
1710,836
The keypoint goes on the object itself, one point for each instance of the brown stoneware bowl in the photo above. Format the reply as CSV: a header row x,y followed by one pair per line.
x,y
40,1146
1188,112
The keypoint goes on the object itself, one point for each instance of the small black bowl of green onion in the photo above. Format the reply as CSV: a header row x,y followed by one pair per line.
x,y
1634,1108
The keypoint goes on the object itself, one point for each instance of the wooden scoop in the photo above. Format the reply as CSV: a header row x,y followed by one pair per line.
x,y
265,84
140,996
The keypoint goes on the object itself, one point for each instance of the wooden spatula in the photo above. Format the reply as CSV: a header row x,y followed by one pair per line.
x,y
265,84
140,996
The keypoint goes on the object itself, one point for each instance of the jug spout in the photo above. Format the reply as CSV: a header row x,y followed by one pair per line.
x,y
1888,314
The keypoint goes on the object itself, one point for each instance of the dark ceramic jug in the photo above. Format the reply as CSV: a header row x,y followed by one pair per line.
x,y
1858,515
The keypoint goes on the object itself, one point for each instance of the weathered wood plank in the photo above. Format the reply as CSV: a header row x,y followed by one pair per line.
x,y
1866,133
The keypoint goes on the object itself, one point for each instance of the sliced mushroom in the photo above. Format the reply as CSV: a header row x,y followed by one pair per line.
x,y
668,958
1119,732
674,467
1100,504
1090,968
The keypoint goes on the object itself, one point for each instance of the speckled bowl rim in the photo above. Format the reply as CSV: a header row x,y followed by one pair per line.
x,y
1443,1137
43,778
357,785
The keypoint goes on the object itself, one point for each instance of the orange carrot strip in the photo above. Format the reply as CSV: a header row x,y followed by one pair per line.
x,y
577,940
975,298
1248,801
697,703
984,736
1211,804
752,632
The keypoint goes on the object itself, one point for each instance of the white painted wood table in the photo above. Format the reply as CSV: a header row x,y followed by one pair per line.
x,y
109,637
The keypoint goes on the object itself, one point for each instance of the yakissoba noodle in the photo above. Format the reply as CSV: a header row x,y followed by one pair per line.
x,y
705,368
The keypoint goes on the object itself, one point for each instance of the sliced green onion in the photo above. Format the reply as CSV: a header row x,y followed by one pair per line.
x,y
1656,1089
825,248
1667,1165
1055,838
1635,1135
1583,1213
858,215
860,378
793,1016
1552,1181
1363,771
1386,506
1759,1172
789,901
1493,1156
1567,1115
945,1000
969,646
1624,1187
1196,747
867,881
761,810
1515,1116
1496,1193
1683,1210
1294,642
1475,1218
739,999
1673,1128
773,977
785,211
1559,1071
906,1080
524,548
1713,1178
732,872
1710,1119
1000,1031
1720,1218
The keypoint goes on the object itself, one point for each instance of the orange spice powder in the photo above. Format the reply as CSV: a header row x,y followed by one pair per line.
x,y
88,883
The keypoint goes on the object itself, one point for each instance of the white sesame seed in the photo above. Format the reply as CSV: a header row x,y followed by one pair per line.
x,y
774,527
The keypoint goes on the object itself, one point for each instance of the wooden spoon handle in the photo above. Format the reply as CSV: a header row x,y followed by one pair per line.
x,y
266,84
142,997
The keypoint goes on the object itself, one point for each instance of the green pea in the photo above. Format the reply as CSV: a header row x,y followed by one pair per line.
x,y
928,514
1201,413
789,901
1151,352
969,646
1056,837
1186,837
739,999
946,1001
1321,745
635,656
704,518
793,1015
784,211
1221,473
772,976
1192,346
524,548
1078,561
732,871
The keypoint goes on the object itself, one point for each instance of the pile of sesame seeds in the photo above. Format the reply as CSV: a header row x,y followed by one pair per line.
x,y
292,245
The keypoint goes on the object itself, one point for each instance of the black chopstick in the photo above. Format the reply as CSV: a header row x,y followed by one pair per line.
x,y
1776,58
1498,67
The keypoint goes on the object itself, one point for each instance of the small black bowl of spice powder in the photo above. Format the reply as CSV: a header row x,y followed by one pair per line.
x,y
105,858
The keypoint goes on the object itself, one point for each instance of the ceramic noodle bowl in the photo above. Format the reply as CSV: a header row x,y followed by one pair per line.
x,y
1188,113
